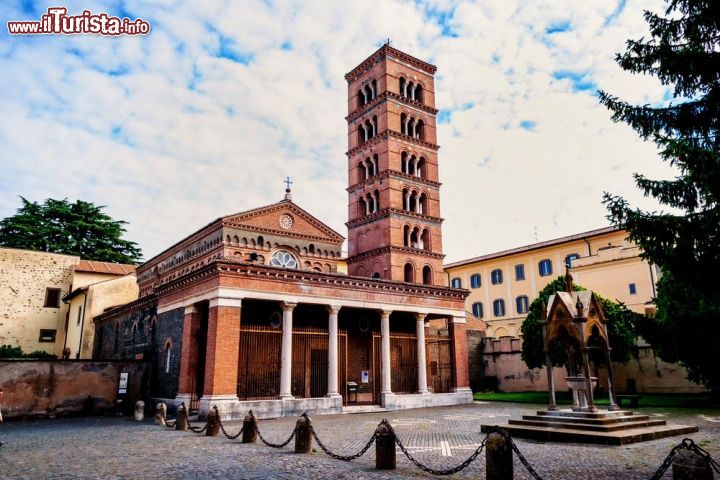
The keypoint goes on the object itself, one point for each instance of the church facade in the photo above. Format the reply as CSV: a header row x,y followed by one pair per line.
x,y
254,311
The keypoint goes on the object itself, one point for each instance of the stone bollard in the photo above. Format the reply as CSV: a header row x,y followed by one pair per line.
x,y
498,458
213,423
181,421
160,414
688,465
249,427
303,435
384,447
139,411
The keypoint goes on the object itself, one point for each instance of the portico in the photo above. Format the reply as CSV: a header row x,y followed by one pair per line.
x,y
278,353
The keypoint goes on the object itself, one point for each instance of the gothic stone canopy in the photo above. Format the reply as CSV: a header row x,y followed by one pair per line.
x,y
575,314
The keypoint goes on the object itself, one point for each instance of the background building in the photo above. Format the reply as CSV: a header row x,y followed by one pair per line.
x,y
33,284
96,287
503,284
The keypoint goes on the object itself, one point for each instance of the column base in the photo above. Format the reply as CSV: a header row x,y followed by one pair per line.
x,y
613,408
424,392
287,397
552,408
333,395
460,390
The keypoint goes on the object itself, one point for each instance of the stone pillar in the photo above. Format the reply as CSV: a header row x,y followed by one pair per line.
x,y
459,355
588,380
333,351
385,365
422,363
223,345
188,354
286,356
611,392
551,382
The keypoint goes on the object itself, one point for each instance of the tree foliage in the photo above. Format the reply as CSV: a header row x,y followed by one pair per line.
x,y
79,228
683,52
621,329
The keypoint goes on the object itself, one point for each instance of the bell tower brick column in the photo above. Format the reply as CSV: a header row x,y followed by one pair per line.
x,y
188,356
461,377
223,344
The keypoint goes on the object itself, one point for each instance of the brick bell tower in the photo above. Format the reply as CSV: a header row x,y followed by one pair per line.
x,y
394,219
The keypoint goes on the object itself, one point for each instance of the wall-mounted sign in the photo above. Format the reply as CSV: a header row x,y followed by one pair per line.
x,y
365,376
122,385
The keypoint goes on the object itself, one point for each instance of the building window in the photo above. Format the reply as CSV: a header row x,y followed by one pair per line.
x,y
477,309
168,350
52,298
633,289
475,281
522,304
545,267
570,258
47,335
520,272
496,277
499,308
79,315
284,259
456,283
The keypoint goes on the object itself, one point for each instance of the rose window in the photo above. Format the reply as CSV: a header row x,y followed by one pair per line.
x,y
283,259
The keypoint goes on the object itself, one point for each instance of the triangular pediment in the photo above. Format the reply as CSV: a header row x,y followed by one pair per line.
x,y
284,218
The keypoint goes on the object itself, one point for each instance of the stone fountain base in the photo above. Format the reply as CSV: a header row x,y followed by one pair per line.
x,y
619,427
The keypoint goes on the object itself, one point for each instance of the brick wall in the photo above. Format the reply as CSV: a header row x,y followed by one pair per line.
x,y
49,388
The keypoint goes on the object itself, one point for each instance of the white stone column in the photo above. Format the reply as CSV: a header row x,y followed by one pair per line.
x,y
385,364
286,355
333,351
422,363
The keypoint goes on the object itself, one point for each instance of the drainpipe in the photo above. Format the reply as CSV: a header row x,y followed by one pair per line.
x,y
589,249
82,325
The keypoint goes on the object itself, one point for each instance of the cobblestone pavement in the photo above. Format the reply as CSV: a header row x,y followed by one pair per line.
x,y
116,448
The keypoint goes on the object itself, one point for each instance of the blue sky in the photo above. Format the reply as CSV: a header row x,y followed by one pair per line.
x,y
211,111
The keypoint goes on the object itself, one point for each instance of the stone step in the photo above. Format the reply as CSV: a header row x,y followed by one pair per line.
x,y
614,427
593,421
622,437
598,414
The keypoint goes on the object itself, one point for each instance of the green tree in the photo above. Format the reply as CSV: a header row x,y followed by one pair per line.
x,y
683,51
79,228
621,329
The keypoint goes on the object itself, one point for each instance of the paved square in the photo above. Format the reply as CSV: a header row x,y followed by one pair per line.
x,y
440,437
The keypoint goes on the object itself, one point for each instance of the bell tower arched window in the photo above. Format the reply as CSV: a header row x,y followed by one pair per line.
x,y
409,273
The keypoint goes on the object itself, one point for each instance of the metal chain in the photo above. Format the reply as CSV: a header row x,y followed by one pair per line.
x,y
345,458
277,445
686,444
231,437
430,470
167,424
197,429
517,451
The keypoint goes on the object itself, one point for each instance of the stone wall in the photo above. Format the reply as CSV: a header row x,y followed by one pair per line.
x,y
24,277
62,387
502,363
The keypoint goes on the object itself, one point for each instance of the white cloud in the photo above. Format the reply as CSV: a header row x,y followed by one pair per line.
x,y
207,114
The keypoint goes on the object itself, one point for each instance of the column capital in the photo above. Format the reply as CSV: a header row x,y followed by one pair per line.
x,y
288,306
333,309
225,302
190,309
458,318
420,317
385,313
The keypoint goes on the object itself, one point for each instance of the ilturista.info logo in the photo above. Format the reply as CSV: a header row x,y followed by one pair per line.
x,y
57,22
